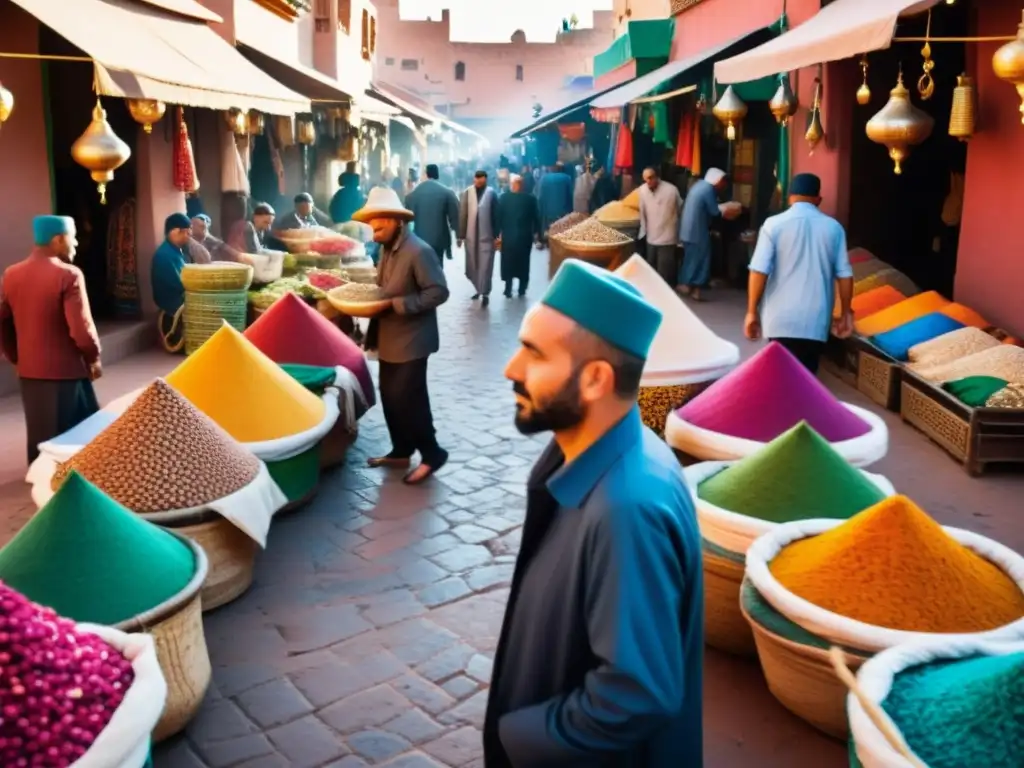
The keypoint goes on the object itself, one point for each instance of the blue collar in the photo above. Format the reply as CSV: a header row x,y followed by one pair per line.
x,y
572,483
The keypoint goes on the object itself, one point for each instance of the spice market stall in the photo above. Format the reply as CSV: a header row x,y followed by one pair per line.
x,y
886,576
685,357
592,241
91,560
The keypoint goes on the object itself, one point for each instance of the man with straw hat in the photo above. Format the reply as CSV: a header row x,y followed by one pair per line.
x,y
48,333
410,274
600,655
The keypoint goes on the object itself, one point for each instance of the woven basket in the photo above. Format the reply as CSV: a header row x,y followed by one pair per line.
x,y
205,313
230,552
656,403
724,625
608,256
356,308
800,676
177,629
218,276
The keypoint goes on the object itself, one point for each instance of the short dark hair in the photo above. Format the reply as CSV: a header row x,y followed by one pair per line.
x,y
432,171
262,209
481,174
627,368
653,170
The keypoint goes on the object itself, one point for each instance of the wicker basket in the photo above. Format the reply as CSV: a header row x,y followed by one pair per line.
x,y
801,677
608,256
356,308
230,552
878,377
218,276
724,625
557,254
177,628
656,403
205,313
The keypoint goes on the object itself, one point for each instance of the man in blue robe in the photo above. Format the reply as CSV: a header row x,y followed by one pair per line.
x,y
555,197
168,292
600,657
699,209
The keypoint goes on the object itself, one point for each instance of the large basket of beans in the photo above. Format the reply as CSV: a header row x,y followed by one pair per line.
x,y
940,704
78,695
797,476
886,576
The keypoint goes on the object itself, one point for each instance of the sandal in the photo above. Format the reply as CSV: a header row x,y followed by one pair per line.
x,y
388,462
424,471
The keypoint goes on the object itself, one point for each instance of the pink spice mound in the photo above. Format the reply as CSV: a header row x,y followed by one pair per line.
x,y
767,395
60,686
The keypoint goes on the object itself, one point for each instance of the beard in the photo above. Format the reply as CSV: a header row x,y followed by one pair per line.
x,y
563,411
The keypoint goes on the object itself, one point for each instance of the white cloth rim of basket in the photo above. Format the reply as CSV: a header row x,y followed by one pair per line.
x,y
125,742
734,531
714,370
876,678
851,633
249,509
714,446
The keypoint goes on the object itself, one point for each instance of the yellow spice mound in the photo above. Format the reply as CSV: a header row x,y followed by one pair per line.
x,y
893,566
244,391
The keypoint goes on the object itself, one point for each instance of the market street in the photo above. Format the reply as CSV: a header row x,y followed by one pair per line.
x,y
368,635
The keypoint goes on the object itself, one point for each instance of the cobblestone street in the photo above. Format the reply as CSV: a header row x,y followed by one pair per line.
x,y
368,636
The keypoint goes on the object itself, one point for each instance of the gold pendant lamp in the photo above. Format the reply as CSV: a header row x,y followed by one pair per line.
x,y
145,112
962,114
730,110
784,103
6,104
238,122
864,92
899,125
1008,64
100,151
815,130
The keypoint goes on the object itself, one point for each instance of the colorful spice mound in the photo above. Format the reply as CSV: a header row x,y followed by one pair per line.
x,y
797,476
323,280
337,245
61,686
962,713
566,222
593,232
893,566
767,395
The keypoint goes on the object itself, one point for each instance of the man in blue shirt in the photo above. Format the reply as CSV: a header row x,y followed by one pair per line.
x,y
601,650
699,210
168,292
799,258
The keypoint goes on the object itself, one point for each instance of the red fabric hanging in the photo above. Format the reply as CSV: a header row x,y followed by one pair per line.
x,y
573,132
684,142
624,150
185,176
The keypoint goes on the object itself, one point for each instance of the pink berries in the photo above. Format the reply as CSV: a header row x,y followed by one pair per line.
x,y
58,687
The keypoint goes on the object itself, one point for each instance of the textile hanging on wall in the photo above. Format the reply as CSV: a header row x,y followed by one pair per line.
x,y
684,140
697,166
572,132
122,264
185,176
624,150
233,175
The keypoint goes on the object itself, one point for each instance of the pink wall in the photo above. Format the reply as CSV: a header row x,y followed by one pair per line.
x,y
990,267
24,154
617,76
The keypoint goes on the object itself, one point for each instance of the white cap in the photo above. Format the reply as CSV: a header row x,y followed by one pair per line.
x,y
714,175
514,178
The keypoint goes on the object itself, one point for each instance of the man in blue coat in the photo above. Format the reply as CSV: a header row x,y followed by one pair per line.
x,y
600,657
436,209
554,196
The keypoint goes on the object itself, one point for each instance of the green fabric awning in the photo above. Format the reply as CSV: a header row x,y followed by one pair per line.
x,y
642,40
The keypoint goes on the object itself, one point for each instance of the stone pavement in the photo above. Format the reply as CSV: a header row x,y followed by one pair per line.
x,y
368,636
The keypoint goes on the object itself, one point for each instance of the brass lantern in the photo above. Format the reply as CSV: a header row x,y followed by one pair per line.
x,y
6,104
100,151
864,92
237,121
899,125
305,130
254,122
730,110
784,103
961,115
145,112
1008,64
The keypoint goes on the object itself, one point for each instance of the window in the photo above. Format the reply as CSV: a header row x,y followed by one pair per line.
x,y
460,70
373,34
389,61
366,34
345,15
322,16
519,72
410,65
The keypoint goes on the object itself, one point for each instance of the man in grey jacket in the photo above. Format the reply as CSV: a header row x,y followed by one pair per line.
x,y
436,209
409,273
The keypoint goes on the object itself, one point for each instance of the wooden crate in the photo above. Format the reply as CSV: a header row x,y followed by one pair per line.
x,y
975,437
878,375
840,359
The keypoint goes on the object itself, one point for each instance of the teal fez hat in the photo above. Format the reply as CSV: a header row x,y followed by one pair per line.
x,y
45,228
604,304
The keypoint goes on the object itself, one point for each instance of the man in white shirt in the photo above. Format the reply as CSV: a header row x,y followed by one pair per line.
x,y
660,206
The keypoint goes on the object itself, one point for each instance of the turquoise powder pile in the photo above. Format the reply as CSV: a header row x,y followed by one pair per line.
x,y
963,713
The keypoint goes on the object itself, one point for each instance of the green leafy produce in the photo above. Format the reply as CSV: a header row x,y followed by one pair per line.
x,y
271,292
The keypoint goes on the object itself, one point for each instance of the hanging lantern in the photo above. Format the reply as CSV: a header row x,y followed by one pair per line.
x,y
6,104
145,112
237,121
961,115
254,123
864,92
100,151
730,110
815,130
784,103
1008,64
899,125
305,130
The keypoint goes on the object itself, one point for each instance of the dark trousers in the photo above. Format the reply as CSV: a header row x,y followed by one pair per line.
x,y
807,351
406,404
523,283
663,259
441,250
52,407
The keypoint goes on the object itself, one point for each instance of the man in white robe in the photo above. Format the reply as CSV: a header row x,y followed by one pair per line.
x,y
478,226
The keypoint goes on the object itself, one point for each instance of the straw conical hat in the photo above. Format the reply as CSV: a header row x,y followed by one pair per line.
x,y
244,391
383,202
322,343
90,559
163,454
684,351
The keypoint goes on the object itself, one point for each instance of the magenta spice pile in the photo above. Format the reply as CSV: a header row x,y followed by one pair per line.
x,y
58,687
